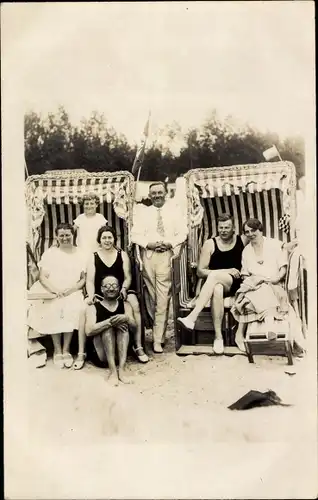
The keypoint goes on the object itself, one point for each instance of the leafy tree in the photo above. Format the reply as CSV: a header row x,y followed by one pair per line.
x,y
52,142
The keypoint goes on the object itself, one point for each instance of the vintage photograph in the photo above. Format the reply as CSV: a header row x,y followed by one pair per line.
x,y
167,165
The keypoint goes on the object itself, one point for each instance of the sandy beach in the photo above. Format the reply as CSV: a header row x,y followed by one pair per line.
x,y
169,434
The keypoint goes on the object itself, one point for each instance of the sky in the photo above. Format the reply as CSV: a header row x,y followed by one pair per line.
x,y
181,60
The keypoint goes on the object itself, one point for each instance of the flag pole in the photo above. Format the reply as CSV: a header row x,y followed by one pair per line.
x,y
26,169
281,159
139,169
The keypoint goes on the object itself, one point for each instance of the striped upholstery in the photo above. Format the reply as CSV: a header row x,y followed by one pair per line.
x,y
184,297
59,194
56,213
264,191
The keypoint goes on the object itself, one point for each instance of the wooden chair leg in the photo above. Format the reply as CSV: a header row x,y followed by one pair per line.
x,y
249,352
289,352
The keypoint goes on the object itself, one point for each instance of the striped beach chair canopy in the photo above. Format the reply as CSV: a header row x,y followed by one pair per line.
x,y
55,197
266,191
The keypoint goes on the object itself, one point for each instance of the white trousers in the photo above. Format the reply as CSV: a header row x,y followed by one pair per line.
x,y
157,277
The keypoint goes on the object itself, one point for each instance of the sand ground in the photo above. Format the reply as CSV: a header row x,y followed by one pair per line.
x,y
169,434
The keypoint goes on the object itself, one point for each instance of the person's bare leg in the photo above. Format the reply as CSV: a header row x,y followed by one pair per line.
x,y
217,310
67,337
67,357
57,343
81,355
239,336
206,294
133,301
122,343
58,354
81,332
138,348
108,337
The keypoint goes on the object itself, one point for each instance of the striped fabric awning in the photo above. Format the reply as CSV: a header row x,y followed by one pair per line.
x,y
265,191
216,182
55,197
68,186
222,182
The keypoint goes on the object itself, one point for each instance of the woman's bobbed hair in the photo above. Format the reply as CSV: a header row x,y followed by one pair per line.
x,y
253,224
106,229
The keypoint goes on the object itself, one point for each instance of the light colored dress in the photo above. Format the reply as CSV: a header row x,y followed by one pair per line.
x,y
264,298
60,314
87,232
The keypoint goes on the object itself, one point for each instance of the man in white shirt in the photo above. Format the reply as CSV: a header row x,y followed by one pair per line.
x,y
159,230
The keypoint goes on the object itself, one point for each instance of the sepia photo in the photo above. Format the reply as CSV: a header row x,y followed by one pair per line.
x,y
159,243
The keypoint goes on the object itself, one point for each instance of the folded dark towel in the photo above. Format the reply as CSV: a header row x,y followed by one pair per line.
x,y
253,399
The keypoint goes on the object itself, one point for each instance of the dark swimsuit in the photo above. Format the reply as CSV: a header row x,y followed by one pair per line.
x,y
101,315
228,259
101,271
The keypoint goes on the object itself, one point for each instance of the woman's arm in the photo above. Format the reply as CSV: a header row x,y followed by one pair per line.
x,y
90,277
78,285
44,280
127,271
91,327
281,275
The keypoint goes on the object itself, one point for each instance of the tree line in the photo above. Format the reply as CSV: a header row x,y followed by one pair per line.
x,y
53,142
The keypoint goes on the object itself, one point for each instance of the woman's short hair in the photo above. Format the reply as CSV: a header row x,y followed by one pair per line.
x,y
253,224
64,225
225,217
106,229
89,196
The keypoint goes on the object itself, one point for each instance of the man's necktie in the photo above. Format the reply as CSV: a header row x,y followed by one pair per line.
x,y
160,227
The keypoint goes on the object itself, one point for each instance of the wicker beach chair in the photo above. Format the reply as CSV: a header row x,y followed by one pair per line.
x,y
54,197
265,191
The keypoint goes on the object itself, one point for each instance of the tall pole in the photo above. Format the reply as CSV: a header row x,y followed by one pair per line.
x,y
278,153
26,169
146,136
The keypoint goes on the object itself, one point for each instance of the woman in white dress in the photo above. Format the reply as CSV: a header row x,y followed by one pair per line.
x,y
262,296
62,277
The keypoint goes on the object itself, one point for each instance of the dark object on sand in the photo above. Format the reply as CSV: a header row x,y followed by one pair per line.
x,y
256,398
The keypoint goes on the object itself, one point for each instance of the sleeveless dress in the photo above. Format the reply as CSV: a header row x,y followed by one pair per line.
x,y
101,315
227,259
101,271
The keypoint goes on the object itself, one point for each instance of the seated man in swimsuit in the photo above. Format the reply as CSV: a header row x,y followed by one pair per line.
x,y
107,322
219,265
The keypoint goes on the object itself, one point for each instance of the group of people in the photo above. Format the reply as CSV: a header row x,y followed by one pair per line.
x,y
251,268
87,281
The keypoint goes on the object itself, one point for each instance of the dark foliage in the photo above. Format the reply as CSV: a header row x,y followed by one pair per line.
x,y
54,143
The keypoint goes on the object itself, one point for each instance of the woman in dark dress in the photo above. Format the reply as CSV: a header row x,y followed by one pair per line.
x,y
111,261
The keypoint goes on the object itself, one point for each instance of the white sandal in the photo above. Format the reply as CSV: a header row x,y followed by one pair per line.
x,y
80,361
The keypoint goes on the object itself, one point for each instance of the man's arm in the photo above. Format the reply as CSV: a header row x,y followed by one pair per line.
x,y
91,327
138,230
179,227
205,255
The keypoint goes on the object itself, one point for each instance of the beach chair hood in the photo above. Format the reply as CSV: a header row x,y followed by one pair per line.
x,y
67,187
